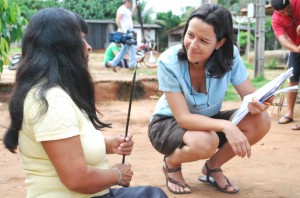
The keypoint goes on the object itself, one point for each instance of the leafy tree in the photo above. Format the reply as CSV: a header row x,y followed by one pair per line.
x,y
241,3
88,9
11,29
91,9
29,7
269,35
146,14
224,3
186,15
167,21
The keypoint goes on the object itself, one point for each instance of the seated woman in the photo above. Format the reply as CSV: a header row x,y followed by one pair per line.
x,y
54,119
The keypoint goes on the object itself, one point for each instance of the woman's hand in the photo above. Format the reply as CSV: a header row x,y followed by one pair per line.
x,y
124,174
122,145
256,107
237,140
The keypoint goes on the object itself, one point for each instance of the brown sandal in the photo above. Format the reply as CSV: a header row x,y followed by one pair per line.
x,y
167,170
211,180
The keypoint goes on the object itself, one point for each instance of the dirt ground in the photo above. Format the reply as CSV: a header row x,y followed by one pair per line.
x,y
272,171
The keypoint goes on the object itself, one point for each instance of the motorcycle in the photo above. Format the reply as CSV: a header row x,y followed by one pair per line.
x,y
14,63
147,55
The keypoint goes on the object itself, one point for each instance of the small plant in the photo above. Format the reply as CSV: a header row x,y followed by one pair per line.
x,y
243,38
248,65
272,64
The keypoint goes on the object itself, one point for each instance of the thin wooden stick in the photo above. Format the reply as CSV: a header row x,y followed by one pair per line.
x,y
129,107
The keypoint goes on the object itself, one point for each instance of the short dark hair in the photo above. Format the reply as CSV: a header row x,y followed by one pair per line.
x,y
279,4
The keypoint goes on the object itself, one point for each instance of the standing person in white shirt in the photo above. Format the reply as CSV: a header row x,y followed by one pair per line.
x,y
125,24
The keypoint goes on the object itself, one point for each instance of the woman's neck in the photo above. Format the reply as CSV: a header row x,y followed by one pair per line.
x,y
197,67
198,77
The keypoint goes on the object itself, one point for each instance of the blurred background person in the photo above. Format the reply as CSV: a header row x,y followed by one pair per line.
x,y
125,25
286,25
111,51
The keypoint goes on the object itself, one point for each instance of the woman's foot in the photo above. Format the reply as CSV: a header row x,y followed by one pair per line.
x,y
174,179
216,177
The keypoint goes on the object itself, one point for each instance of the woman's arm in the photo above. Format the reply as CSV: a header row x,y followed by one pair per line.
x,y
245,88
68,159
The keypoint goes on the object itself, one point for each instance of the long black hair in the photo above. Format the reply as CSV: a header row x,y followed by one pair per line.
x,y
52,55
220,18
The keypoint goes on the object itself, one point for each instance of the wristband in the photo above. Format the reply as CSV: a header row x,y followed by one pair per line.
x,y
120,175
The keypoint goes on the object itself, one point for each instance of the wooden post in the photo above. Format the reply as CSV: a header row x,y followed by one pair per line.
x,y
248,39
259,38
250,15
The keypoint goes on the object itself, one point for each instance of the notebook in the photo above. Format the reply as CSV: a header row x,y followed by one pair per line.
x,y
264,93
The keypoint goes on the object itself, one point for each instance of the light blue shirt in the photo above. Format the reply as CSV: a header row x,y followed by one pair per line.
x,y
173,76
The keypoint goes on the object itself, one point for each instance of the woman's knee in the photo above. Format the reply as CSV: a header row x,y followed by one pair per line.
x,y
204,145
262,123
257,126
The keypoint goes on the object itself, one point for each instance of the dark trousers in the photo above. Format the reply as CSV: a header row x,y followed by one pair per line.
x,y
135,192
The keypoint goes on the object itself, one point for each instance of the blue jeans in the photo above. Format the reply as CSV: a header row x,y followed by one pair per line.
x,y
131,50
122,63
135,192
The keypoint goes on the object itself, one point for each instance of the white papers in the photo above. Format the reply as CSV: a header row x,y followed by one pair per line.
x,y
287,89
264,93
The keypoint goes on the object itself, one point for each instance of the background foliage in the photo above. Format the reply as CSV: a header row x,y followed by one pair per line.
x,y
11,29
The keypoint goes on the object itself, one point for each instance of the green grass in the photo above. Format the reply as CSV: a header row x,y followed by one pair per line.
x,y
249,66
147,71
14,50
232,95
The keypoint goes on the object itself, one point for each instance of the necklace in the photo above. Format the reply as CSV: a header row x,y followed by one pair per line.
x,y
192,92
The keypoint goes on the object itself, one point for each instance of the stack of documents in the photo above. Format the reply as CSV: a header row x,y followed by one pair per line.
x,y
264,93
